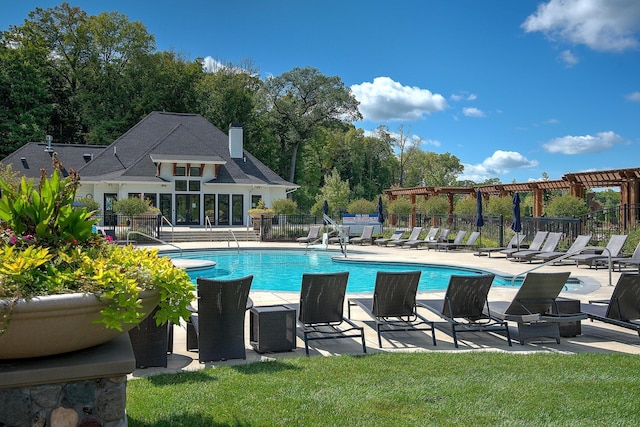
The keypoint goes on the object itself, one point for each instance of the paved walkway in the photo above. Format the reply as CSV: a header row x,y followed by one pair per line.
x,y
595,337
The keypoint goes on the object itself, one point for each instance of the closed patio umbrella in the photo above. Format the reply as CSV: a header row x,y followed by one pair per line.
x,y
380,213
325,211
479,219
516,224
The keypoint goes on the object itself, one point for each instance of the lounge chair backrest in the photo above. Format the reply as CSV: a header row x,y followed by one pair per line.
x,y
625,300
616,242
466,296
431,235
537,292
444,234
459,237
517,238
322,297
636,253
396,234
395,293
579,244
552,242
367,232
538,240
472,238
415,233
314,232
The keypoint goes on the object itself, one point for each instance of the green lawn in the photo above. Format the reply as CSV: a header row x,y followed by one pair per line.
x,y
401,389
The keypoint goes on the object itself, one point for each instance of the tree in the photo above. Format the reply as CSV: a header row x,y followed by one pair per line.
x,y
406,145
438,205
466,206
497,206
336,192
567,206
362,206
300,100
432,169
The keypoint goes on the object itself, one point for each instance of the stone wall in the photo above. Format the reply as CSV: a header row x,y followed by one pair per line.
x,y
94,402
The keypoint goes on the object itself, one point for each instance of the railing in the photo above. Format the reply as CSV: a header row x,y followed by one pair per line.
x,y
153,238
234,238
166,220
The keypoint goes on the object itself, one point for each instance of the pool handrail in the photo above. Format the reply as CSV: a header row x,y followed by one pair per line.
x,y
153,238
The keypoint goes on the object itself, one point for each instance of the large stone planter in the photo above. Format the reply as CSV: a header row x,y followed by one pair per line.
x,y
56,324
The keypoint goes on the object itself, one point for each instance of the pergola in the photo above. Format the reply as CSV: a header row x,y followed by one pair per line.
x,y
628,180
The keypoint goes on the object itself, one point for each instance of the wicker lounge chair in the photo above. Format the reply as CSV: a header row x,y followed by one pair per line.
x,y
429,238
151,342
550,245
531,308
535,244
314,234
365,237
415,234
320,313
613,248
465,306
576,247
623,309
513,244
219,322
393,306
396,236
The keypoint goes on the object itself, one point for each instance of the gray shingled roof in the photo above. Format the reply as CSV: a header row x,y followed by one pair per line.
x,y
167,135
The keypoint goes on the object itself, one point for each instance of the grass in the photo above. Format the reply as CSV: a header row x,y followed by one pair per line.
x,y
475,389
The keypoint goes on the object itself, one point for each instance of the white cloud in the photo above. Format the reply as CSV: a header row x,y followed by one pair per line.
x,y
582,144
384,99
500,163
463,96
211,65
568,58
633,96
473,112
603,25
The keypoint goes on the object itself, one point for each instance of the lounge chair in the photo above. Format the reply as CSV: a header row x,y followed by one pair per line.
x,y
456,241
532,307
219,322
444,235
396,236
393,306
623,309
465,306
576,247
550,245
415,234
320,313
365,237
634,260
314,234
343,235
535,244
429,238
613,248
513,244
458,244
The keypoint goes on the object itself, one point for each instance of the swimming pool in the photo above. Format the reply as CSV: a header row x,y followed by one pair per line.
x,y
281,270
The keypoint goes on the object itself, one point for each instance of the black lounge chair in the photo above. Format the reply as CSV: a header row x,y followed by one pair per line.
x,y
576,247
314,234
623,309
415,234
393,306
532,307
219,322
396,236
458,244
320,313
550,245
465,306
535,244
513,244
613,248
429,238
365,237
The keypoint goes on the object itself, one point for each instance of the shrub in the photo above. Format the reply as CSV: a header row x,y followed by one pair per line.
x,y
362,206
285,207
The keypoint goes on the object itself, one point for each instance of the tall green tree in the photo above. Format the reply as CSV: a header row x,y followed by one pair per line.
x,y
432,169
300,100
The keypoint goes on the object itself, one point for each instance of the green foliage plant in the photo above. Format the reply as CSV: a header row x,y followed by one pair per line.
x,y
567,206
48,247
131,206
362,206
284,207
465,206
400,206
438,205
261,208
497,206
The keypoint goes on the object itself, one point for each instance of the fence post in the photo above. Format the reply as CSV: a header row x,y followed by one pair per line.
x,y
501,231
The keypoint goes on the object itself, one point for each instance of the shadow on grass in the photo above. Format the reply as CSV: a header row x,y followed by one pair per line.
x,y
270,367
187,420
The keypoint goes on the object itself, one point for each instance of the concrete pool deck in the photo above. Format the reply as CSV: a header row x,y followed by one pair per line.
x,y
596,337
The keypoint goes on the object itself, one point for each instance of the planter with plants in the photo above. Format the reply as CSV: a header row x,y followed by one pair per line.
x,y
260,211
65,288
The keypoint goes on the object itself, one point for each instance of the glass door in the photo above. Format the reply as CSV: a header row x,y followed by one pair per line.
x,y
187,209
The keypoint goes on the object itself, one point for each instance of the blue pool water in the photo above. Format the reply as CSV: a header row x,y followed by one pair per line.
x,y
279,270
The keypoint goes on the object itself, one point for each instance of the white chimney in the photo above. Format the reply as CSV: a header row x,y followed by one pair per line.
x,y
235,141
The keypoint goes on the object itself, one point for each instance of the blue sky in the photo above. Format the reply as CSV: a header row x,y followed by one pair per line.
x,y
513,89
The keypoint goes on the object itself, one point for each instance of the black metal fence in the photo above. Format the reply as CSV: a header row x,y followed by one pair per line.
x,y
119,226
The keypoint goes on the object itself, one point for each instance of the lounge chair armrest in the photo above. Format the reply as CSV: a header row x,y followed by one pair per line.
x,y
573,317
599,301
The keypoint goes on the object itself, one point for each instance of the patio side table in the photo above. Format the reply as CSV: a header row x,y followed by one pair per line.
x,y
568,306
272,328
